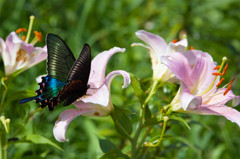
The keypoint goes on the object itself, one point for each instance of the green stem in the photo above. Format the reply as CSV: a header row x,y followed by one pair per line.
x,y
30,114
140,125
138,131
152,92
3,150
2,100
165,119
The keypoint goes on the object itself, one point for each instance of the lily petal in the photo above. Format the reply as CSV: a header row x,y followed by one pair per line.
x,y
228,112
38,55
96,109
179,65
111,75
13,44
192,56
98,66
63,121
219,99
189,101
178,46
2,48
156,43
97,96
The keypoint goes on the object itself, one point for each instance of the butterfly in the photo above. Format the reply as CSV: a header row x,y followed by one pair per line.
x,y
67,78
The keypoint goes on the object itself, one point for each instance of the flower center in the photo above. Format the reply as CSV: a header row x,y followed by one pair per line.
x,y
21,55
38,35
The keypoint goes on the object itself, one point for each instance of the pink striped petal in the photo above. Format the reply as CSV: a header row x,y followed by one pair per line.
x,y
111,75
179,65
63,121
98,96
189,101
38,55
98,66
202,76
219,99
192,56
155,43
228,112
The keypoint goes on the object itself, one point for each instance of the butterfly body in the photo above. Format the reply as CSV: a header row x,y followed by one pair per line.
x,y
67,78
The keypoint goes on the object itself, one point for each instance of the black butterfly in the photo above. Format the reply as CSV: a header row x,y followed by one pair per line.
x,y
67,78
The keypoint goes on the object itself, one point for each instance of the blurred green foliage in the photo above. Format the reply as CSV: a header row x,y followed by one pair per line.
x,y
211,26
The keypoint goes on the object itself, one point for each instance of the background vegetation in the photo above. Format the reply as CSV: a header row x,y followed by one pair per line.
x,y
212,26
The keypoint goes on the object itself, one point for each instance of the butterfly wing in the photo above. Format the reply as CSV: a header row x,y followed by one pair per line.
x,y
60,58
59,62
77,77
82,66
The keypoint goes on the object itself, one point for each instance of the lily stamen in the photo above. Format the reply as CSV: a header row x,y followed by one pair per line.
x,y
23,37
225,69
227,90
38,37
217,74
21,30
175,40
191,48
232,81
217,67
220,82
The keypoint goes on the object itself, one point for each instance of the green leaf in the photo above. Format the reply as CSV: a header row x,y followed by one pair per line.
x,y
185,141
154,120
151,121
137,88
116,154
37,139
122,121
106,145
173,117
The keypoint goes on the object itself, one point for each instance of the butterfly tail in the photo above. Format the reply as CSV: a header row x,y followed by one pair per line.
x,y
28,99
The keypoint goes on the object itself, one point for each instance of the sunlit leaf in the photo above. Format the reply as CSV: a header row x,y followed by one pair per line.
x,y
137,88
37,139
106,145
180,120
122,121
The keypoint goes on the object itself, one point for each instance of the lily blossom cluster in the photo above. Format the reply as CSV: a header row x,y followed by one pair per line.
x,y
199,92
17,53
196,72
97,102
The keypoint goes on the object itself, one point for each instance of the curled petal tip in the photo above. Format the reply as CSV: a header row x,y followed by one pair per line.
x,y
127,80
111,75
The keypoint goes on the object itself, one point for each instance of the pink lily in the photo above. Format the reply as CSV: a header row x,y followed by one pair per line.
x,y
198,92
157,48
97,102
17,54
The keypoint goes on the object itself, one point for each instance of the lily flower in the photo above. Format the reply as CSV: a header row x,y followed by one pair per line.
x,y
157,48
97,101
199,92
17,53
